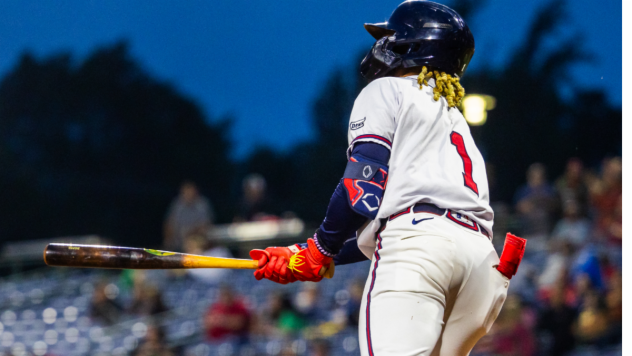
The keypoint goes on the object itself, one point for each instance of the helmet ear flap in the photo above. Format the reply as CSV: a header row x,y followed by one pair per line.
x,y
379,61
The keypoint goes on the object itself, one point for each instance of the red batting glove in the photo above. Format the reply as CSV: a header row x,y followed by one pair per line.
x,y
307,263
274,262
288,264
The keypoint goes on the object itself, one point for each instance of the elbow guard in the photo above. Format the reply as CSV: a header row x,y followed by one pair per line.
x,y
364,182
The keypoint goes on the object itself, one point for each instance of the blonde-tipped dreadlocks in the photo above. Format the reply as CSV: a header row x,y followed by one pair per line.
x,y
445,85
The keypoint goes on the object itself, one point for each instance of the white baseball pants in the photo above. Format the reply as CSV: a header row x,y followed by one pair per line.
x,y
432,289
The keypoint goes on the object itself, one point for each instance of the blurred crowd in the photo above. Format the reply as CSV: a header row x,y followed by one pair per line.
x,y
566,297
284,316
301,320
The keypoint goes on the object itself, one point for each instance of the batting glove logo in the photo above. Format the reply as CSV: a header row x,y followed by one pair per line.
x,y
296,261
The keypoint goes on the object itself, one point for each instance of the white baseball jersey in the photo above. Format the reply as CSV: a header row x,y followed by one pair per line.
x,y
433,156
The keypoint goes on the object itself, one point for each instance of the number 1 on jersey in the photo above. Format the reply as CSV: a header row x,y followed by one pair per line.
x,y
457,140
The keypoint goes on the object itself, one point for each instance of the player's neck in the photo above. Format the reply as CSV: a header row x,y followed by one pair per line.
x,y
406,72
410,73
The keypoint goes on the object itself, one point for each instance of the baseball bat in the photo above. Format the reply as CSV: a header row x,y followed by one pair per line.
x,y
118,257
98,256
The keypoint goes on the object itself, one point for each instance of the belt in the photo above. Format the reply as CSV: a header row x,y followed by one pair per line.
x,y
453,216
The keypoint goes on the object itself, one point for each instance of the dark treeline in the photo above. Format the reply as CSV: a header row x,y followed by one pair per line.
x,y
533,121
101,147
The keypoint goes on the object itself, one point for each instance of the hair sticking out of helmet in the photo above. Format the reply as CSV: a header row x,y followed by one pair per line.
x,y
445,85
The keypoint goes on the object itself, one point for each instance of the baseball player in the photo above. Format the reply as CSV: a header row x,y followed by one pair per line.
x,y
415,186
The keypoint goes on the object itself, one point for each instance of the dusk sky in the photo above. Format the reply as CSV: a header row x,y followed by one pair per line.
x,y
264,61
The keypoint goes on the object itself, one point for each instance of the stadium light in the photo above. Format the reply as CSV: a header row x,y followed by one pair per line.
x,y
475,107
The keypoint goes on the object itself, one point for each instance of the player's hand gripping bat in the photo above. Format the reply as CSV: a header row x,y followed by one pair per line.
x,y
99,256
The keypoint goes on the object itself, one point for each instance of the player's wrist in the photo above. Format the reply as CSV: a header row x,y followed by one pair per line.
x,y
320,246
317,256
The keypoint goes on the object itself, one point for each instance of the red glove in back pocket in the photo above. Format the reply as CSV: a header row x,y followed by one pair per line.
x,y
511,255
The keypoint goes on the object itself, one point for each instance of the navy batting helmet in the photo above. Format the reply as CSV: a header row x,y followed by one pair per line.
x,y
419,33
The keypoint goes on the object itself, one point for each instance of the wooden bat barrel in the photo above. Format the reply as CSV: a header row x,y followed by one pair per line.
x,y
97,256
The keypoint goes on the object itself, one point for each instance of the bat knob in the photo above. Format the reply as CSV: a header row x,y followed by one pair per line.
x,y
328,272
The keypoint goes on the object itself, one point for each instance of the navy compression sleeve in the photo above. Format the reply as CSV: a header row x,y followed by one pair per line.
x,y
350,253
341,222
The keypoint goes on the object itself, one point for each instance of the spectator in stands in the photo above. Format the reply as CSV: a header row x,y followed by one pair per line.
x,y
146,301
319,348
555,269
605,195
582,286
154,344
536,205
253,204
355,300
614,304
592,324
557,319
587,265
572,185
610,225
346,314
510,335
572,228
614,224
189,213
288,350
288,320
608,269
525,283
280,317
605,190
103,310
228,318
306,302
201,245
